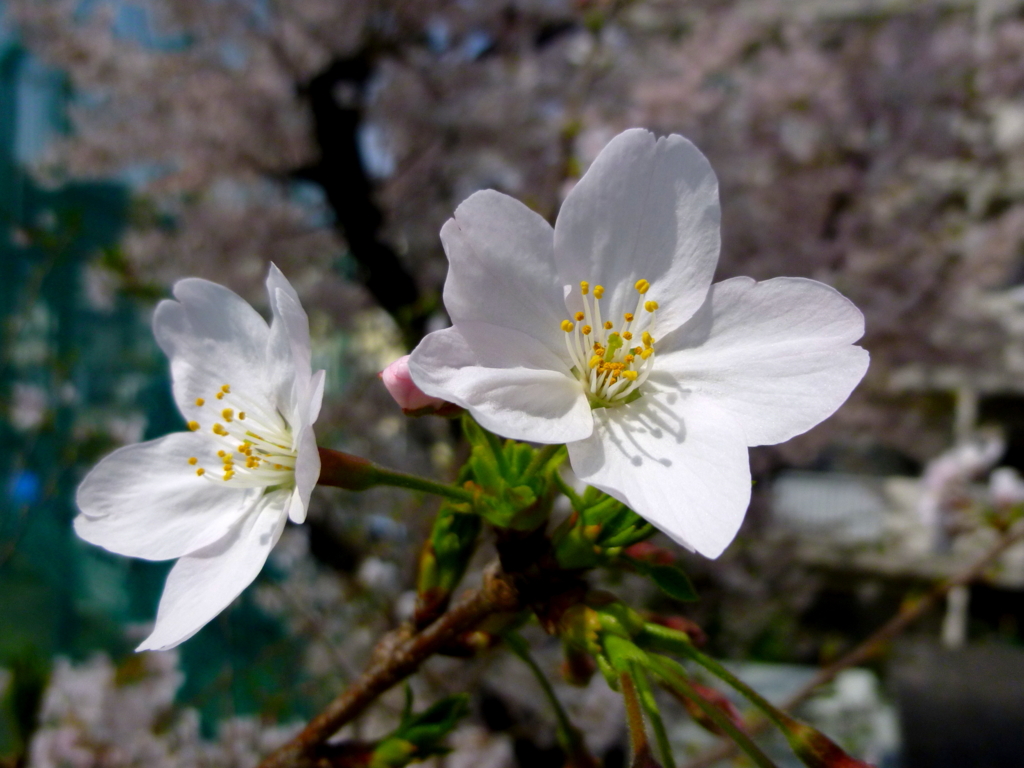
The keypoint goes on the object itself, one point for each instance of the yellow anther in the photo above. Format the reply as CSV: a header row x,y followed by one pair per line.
x,y
608,325
241,415
228,475
647,353
567,326
193,425
193,461
647,339
200,472
637,350
222,454
584,287
628,317
627,335
220,395
631,375
586,329
629,358
580,317
225,388
595,361
650,306
200,401
598,291
243,448
642,286
228,414
218,429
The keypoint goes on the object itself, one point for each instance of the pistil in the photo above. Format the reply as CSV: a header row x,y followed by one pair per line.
x,y
611,371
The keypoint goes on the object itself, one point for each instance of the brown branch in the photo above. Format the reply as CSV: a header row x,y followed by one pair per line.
x,y
874,644
399,659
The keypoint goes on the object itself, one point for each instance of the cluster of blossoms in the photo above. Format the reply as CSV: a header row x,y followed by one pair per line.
x,y
552,341
95,714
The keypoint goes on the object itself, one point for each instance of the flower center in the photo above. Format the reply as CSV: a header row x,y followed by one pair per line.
x,y
254,446
607,362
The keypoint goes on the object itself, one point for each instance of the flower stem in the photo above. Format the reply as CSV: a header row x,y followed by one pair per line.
x,y
354,473
568,735
634,719
416,483
783,721
650,705
672,675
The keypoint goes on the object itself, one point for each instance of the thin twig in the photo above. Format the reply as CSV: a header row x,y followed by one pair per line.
x,y
874,644
497,595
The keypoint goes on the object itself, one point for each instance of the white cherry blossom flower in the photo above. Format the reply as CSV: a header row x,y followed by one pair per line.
x,y
215,497
606,334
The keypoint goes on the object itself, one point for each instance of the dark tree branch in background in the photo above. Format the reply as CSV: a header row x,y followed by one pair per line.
x,y
336,101
399,656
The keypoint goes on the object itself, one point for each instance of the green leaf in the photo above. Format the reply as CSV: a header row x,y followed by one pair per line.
x,y
672,581
429,727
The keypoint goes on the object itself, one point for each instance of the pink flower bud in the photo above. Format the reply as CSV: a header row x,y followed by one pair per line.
x,y
403,389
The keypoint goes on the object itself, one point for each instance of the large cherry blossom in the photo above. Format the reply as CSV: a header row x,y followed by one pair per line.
x,y
216,497
605,333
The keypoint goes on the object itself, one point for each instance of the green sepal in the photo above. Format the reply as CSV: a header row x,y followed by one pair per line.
x,y
485,469
623,653
619,618
573,549
474,432
611,677
519,457
655,637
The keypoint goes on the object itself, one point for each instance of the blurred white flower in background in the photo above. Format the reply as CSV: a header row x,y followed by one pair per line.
x,y
946,480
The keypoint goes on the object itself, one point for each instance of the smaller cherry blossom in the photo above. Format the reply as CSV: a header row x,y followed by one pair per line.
x,y
217,497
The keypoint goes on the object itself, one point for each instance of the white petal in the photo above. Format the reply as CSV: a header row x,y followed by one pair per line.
x,y
203,584
307,472
681,465
146,501
316,396
525,399
288,346
645,209
778,354
212,337
502,269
